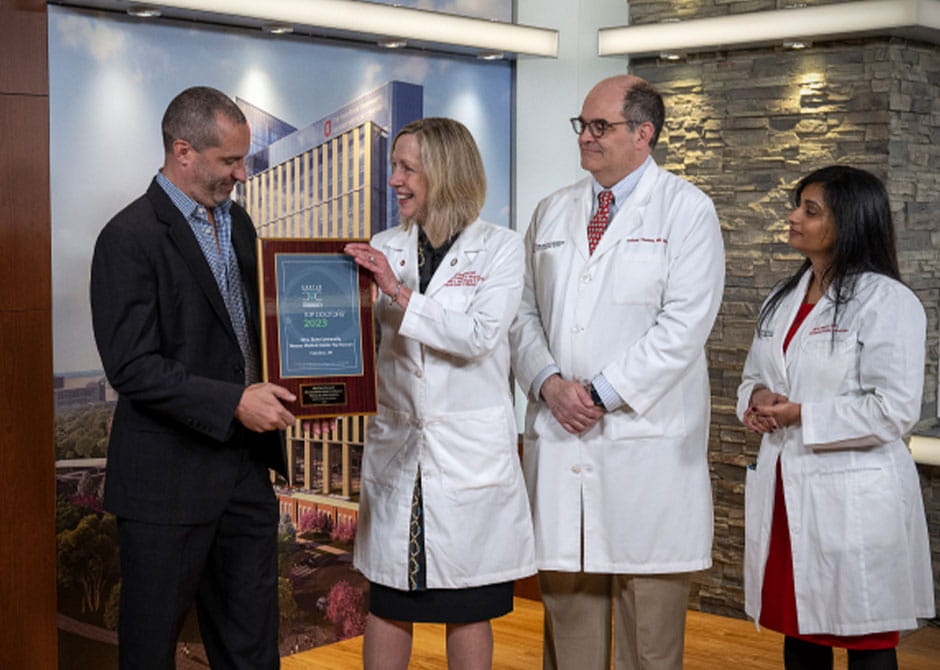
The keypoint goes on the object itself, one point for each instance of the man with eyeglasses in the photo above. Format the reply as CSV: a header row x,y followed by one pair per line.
x,y
624,277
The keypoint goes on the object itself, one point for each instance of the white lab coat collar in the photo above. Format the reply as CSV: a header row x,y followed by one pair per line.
x,y
628,217
461,255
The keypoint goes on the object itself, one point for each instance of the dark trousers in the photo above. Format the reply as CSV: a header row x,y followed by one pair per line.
x,y
228,567
802,655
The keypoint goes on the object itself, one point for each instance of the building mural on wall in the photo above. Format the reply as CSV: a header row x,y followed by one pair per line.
x,y
110,80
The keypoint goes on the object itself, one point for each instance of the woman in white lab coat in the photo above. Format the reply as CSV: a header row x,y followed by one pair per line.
x,y
444,523
836,540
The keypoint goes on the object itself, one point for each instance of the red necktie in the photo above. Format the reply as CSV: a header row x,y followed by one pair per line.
x,y
599,221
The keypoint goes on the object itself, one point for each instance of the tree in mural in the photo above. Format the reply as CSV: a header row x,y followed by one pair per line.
x,y
112,607
83,433
88,558
315,521
67,514
345,607
344,532
287,606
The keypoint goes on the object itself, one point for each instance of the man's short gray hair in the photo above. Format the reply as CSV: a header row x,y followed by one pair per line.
x,y
191,116
642,103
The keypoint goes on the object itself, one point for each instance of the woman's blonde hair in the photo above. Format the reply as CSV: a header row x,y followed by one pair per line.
x,y
456,180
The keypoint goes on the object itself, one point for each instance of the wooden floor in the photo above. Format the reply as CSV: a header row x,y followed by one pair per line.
x,y
712,643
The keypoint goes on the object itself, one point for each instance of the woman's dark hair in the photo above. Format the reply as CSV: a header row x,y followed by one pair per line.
x,y
864,234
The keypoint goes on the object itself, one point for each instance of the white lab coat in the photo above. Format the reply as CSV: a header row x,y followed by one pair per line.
x,y
445,405
638,310
861,562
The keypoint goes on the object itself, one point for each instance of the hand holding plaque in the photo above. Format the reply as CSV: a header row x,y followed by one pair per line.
x,y
317,332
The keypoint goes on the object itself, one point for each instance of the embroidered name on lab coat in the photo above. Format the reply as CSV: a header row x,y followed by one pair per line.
x,y
829,328
470,278
548,245
648,240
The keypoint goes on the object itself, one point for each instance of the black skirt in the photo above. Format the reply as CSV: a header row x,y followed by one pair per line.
x,y
470,605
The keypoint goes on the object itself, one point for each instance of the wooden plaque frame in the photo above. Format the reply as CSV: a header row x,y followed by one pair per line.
x,y
317,332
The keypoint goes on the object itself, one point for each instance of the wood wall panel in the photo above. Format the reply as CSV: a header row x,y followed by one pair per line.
x,y
23,55
24,202
27,495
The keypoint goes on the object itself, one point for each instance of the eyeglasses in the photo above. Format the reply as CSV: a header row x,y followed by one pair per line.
x,y
598,127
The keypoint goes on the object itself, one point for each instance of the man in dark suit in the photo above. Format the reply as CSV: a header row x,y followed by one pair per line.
x,y
174,302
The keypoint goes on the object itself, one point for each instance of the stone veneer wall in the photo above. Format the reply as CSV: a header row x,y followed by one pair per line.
x,y
745,126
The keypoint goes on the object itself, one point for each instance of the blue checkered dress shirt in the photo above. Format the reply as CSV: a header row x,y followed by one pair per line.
x,y
222,261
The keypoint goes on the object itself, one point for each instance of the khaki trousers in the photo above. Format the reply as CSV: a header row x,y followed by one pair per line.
x,y
647,612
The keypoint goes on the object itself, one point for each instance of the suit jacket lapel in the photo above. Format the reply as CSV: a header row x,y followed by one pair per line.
x,y
244,241
187,245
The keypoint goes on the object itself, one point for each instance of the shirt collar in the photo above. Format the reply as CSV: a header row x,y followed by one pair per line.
x,y
188,207
625,187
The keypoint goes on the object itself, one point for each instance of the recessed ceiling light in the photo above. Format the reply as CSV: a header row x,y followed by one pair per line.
x,y
670,55
144,11
392,44
491,55
278,28
796,44
384,21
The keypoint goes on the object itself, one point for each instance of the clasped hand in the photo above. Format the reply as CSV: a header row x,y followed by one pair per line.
x,y
570,404
768,411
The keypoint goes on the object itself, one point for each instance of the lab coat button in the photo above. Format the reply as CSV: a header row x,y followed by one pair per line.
x,y
576,469
420,425
585,278
419,374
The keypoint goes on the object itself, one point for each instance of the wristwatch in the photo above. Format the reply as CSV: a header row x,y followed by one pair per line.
x,y
596,397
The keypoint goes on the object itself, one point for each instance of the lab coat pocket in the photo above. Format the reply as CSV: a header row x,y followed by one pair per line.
x,y
387,439
474,452
830,360
855,513
667,418
457,293
638,279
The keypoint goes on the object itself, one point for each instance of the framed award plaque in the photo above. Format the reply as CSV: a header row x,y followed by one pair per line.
x,y
317,335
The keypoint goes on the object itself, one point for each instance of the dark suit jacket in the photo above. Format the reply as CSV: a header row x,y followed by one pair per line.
x,y
169,350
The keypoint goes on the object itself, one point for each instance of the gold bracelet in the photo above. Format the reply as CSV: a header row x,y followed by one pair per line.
x,y
394,298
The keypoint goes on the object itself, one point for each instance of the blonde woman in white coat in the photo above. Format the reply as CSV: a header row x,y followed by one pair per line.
x,y
444,524
836,539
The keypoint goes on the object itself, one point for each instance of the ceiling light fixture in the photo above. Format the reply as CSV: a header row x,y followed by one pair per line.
x,y
144,11
393,44
916,19
278,28
491,55
401,23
